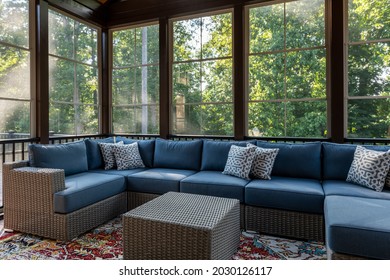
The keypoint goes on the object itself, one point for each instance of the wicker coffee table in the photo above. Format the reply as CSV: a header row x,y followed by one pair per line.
x,y
182,226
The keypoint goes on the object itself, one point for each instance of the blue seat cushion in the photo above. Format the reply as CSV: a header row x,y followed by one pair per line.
x,y
296,160
123,173
87,188
71,157
215,153
339,187
358,226
157,180
145,147
295,194
337,159
94,154
214,183
178,154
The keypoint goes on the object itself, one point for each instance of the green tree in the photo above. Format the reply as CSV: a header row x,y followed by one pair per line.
x,y
369,69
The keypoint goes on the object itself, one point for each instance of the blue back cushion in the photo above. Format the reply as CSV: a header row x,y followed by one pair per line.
x,y
178,154
215,153
145,147
296,160
337,159
94,155
72,157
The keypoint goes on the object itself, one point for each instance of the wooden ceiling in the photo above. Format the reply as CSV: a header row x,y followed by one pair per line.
x,y
93,4
110,13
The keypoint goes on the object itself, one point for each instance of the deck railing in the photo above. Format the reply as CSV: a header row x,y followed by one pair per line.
x,y
14,146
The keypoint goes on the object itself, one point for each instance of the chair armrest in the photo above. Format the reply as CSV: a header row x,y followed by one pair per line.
x,y
31,187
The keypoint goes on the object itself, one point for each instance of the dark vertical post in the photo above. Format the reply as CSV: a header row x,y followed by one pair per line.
x,y
105,117
337,70
164,79
42,71
238,72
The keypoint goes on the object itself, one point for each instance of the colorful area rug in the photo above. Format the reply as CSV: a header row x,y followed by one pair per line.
x,y
105,242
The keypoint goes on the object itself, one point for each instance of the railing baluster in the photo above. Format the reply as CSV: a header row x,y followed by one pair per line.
x,y
13,152
23,144
3,159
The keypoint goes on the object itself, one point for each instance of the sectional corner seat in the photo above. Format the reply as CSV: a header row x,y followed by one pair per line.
x,y
64,190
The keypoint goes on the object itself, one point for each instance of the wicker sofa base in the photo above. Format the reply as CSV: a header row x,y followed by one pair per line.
x,y
285,223
136,199
65,227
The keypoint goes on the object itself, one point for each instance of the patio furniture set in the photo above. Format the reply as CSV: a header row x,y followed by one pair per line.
x,y
201,192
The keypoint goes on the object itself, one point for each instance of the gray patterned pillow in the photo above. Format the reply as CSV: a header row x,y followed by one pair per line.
x,y
239,161
369,168
108,154
387,182
127,156
263,163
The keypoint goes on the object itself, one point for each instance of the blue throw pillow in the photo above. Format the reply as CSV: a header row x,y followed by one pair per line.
x,y
215,153
71,157
94,155
337,159
178,154
302,160
145,147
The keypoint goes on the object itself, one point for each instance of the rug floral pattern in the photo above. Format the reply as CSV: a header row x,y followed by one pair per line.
x,y
105,242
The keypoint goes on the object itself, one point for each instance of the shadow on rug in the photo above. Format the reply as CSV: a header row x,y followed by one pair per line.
x,y
105,242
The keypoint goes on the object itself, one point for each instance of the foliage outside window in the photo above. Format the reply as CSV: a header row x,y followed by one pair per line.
x,y
15,53
368,102
135,80
202,95
287,69
73,76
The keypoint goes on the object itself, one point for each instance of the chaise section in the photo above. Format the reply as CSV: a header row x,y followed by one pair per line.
x,y
84,189
357,227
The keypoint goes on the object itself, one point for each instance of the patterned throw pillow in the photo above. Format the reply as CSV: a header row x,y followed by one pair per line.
x,y
128,156
369,168
263,163
108,154
387,182
239,161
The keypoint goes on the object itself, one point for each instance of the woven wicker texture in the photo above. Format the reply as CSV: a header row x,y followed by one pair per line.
x,y
29,204
136,199
182,226
285,223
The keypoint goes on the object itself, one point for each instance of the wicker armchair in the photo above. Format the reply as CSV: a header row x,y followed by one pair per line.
x,y
28,195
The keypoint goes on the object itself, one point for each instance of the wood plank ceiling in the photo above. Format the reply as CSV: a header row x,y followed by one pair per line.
x,y
110,13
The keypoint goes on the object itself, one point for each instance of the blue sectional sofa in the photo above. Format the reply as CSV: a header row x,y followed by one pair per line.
x,y
307,197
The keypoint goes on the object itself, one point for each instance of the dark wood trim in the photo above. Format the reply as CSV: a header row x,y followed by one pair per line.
x,y
105,117
122,12
80,11
337,70
238,72
42,71
164,79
